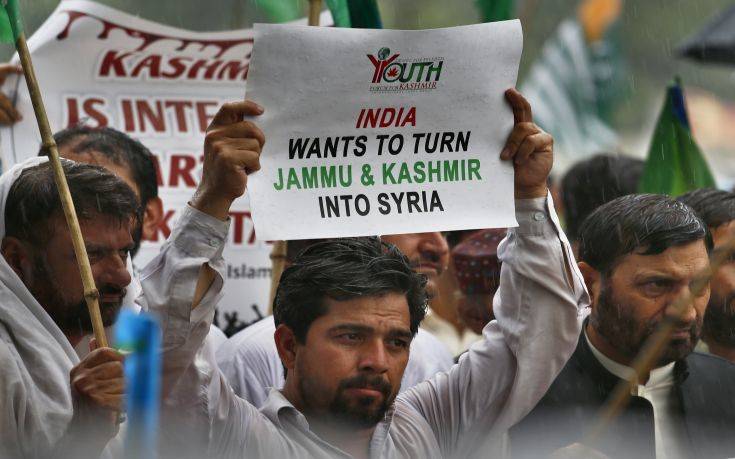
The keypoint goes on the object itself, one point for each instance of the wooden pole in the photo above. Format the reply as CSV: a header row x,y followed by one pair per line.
x,y
315,9
654,346
91,295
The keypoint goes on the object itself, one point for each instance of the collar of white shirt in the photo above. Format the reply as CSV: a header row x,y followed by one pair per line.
x,y
662,376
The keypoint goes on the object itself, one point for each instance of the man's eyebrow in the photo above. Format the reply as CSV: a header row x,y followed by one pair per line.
x,y
400,333
352,328
655,275
94,247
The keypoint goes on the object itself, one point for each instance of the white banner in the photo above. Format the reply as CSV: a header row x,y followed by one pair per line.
x,y
161,85
382,131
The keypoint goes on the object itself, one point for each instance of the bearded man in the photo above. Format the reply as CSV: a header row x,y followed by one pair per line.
x,y
638,254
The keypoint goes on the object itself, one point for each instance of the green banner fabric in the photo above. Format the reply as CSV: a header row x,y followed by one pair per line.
x,y
675,163
280,10
11,25
496,10
340,13
364,14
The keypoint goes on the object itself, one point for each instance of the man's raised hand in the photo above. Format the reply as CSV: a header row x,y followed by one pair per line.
x,y
530,148
232,149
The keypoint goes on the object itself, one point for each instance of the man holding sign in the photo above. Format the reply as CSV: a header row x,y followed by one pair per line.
x,y
346,313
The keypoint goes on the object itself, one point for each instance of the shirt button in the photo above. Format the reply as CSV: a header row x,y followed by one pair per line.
x,y
539,216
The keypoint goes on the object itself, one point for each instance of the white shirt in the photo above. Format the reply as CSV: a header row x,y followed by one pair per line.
x,y
670,431
446,332
461,413
250,362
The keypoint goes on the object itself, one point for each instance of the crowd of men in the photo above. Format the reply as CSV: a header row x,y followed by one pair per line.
x,y
489,343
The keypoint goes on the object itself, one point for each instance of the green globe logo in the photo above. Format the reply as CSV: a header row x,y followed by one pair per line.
x,y
383,53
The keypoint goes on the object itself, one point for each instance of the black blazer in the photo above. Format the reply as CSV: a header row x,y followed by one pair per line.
x,y
704,385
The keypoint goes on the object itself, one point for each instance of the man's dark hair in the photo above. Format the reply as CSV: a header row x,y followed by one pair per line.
x,y
33,201
344,269
646,224
295,247
116,146
593,182
715,207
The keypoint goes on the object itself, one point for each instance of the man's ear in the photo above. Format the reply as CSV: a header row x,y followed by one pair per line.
x,y
286,345
592,280
18,257
152,217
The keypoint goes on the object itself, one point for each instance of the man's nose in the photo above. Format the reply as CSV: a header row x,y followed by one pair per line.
x,y
688,314
374,357
435,242
114,272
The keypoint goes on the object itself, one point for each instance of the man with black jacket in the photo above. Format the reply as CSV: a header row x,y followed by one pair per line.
x,y
638,254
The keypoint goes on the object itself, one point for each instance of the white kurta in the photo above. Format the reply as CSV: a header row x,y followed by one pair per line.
x,y
669,427
461,413
250,362
36,401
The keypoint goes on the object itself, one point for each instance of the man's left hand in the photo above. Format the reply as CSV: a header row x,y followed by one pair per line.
x,y
530,148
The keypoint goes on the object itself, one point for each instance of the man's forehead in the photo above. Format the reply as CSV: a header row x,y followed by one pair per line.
x,y
677,261
101,231
390,309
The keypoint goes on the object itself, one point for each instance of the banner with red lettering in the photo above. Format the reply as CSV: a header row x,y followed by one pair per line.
x,y
162,86
382,131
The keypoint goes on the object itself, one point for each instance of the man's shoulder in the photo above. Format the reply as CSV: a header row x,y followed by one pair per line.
x,y
709,363
12,365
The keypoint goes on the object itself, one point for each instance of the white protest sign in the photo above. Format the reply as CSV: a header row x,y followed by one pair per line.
x,y
162,86
382,131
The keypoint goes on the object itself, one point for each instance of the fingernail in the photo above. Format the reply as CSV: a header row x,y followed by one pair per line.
x,y
260,107
505,153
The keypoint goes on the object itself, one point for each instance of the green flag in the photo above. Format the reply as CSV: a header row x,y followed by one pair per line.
x,y
340,13
364,14
360,14
11,25
280,10
496,10
675,164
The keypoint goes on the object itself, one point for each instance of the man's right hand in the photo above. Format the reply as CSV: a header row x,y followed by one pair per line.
x,y
232,149
98,381
8,113
97,388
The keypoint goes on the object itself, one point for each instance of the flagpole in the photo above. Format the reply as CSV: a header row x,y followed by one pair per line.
x,y
91,294
315,9
654,346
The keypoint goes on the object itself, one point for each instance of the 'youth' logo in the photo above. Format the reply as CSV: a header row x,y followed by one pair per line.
x,y
404,74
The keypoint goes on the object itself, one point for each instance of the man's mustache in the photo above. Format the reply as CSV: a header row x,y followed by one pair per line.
x,y
112,290
427,259
364,381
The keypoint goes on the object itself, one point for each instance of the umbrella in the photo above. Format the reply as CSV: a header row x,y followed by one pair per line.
x,y
715,42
